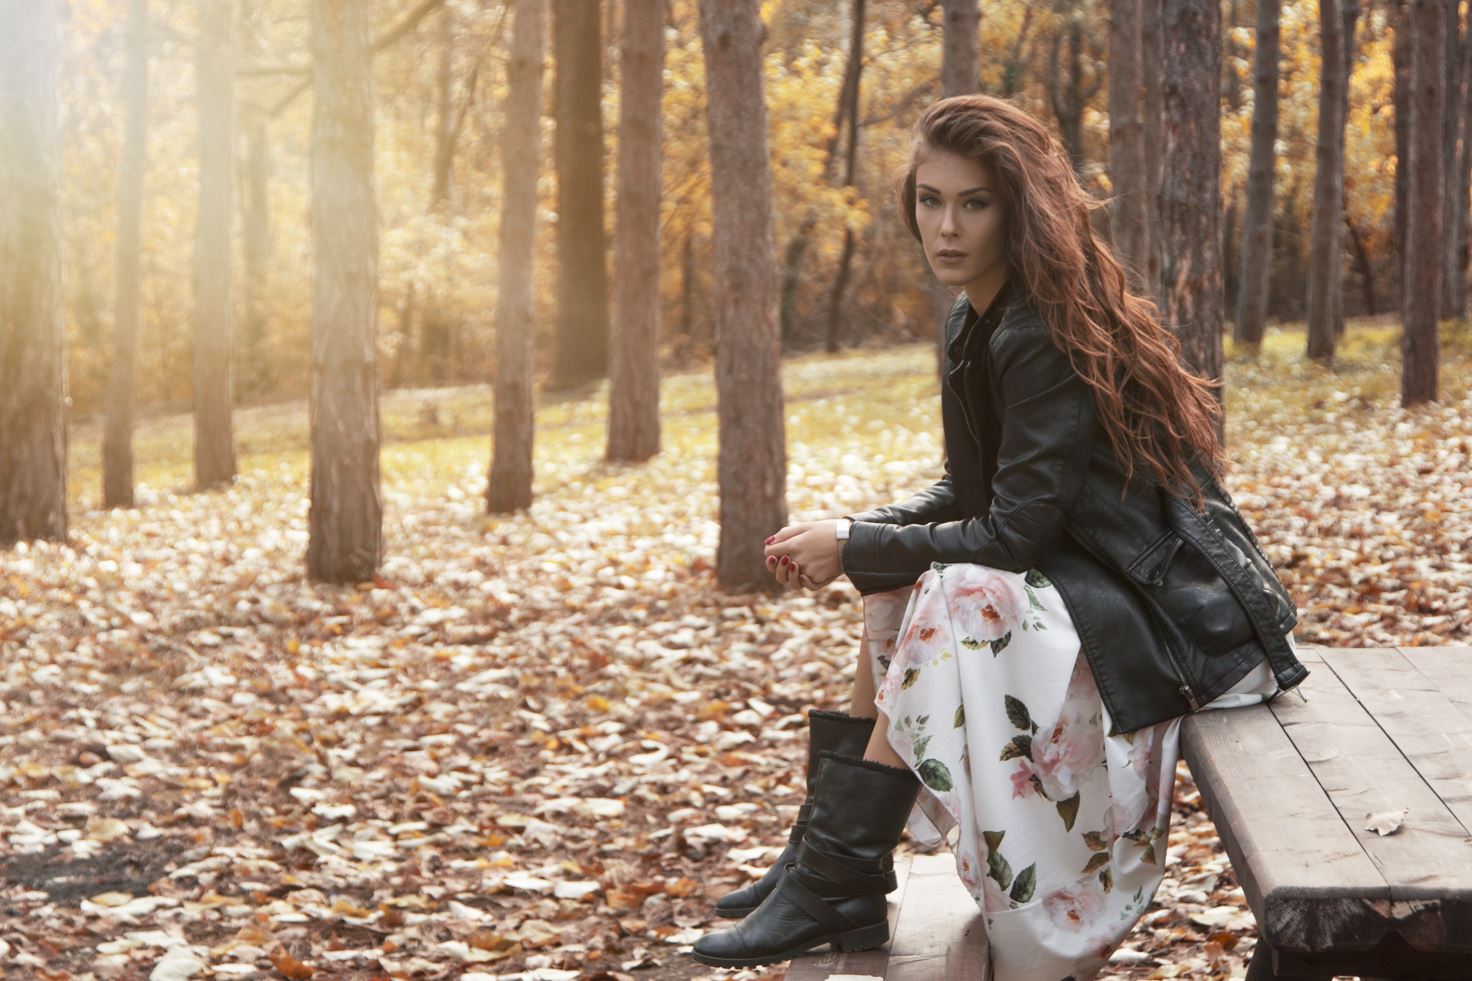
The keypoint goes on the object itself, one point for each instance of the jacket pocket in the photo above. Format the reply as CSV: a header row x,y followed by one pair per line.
x,y
1184,586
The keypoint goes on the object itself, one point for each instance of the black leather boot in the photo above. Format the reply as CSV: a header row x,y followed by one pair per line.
x,y
834,891
842,733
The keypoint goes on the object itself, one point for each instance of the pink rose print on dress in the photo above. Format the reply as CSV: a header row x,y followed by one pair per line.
x,y
1067,750
985,604
1075,906
1023,781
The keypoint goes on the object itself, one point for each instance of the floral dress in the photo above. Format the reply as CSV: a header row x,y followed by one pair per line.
x,y
1060,829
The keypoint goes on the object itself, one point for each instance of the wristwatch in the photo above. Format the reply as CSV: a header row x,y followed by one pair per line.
x,y
843,526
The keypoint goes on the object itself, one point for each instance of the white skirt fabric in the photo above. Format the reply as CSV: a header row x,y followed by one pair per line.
x,y
1059,831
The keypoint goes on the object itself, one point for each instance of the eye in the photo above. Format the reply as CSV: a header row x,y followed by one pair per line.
x,y
980,204
926,199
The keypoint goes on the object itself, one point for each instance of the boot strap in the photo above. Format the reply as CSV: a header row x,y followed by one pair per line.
x,y
803,814
813,904
812,859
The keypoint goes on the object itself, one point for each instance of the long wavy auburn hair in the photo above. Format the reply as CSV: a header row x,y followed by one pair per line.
x,y
1155,411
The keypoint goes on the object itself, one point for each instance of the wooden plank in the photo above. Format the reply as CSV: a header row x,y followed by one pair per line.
x,y
1306,876
1325,699
1427,863
942,932
1451,670
819,966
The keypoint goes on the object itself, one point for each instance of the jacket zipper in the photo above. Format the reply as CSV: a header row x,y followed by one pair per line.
x,y
1185,687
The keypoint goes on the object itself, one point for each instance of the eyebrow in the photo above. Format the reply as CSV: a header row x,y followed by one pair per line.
x,y
969,190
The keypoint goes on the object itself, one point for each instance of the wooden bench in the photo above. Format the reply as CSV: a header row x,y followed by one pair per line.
x,y
1289,786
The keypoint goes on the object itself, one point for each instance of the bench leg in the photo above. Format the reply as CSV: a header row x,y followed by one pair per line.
x,y
1260,968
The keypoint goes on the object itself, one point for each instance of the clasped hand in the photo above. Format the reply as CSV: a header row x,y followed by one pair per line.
x,y
813,553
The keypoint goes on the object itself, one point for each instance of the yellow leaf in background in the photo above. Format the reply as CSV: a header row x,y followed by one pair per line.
x,y
112,899
597,703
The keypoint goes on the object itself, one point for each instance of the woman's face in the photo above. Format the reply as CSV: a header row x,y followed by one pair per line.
x,y
958,208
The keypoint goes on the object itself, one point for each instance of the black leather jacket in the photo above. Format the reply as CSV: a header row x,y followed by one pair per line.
x,y
1172,606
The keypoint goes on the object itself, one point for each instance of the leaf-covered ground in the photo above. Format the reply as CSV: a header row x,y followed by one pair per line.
x,y
539,746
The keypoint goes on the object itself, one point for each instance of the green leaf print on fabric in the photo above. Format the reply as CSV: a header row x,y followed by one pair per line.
x,y
1106,879
997,868
912,675
1017,713
960,718
1096,861
1096,841
971,643
1017,746
1023,885
1000,643
1068,811
936,775
993,839
1036,579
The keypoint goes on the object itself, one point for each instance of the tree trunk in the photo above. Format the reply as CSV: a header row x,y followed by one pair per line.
x,y
960,52
117,429
1424,208
510,483
253,353
33,416
1257,227
1459,209
437,341
1453,279
1349,14
1067,93
1128,233
633,382
214,262
849,112
1401,59
346,514
1328,186
582,282
1364,264
752,456
1190,195
960,74
255,216
1151,51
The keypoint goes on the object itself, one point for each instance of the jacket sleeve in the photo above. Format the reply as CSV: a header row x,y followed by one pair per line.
x,y
1049,424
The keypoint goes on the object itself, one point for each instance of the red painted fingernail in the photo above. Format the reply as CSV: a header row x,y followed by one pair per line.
x,y
784,560
769,539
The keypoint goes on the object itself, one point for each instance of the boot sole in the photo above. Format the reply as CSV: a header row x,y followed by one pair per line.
x,y
864,938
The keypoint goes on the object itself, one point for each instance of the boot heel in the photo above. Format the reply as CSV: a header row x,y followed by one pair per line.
x,y
865,938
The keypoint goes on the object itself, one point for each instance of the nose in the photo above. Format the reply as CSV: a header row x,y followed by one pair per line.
x,y
948,221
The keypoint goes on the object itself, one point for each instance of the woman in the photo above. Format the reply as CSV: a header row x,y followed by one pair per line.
x,y
1041,618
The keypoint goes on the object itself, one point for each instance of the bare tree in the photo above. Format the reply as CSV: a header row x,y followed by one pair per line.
x,y
1328,212
582,280
1151,52
253,361
214,254
1425,190
345,520
1068,93
117,430
1257,226
1401,32
33,437
1190,194
509,486
960,52
752,457
1131,189
633,383
1454,274
848,114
